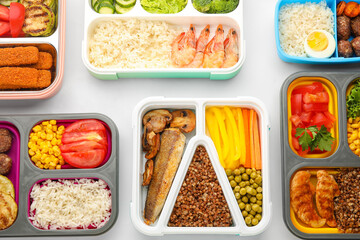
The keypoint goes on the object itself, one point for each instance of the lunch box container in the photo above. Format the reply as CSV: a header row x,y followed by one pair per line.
x,y
334,59
24,174
53,44
336,83
194,139
189,15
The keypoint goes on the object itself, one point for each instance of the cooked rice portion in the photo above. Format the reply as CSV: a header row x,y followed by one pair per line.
x,y
297,20
132,43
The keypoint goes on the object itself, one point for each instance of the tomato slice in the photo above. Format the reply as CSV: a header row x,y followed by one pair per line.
x,y
315,107
312,88
16,17
303,153
4,28
97,136
85,126
331,117
320,119
295,143
305,117
295,119
82,146
296,101
320,97
86,159
4,13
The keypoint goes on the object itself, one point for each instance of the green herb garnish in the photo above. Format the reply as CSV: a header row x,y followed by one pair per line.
x,y
320,138
353,101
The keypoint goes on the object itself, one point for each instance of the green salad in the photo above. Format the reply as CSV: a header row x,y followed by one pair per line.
x,y
163,6
353,101
215,6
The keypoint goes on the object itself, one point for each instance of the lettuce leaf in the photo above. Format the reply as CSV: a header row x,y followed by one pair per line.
x,y
163,6
353,101
215,6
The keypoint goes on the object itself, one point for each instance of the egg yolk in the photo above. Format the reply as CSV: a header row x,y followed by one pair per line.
x,y
317,41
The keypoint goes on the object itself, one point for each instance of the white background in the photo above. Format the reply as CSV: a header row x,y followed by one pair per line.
x,y
261,76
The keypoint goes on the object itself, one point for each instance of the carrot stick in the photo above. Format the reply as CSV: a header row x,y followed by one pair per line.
x,y
240,121
251,131
247,139
257,143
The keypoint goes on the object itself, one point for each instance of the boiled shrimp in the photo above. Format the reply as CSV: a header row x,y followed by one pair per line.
x,y
200,47
214,51
231,49
184,48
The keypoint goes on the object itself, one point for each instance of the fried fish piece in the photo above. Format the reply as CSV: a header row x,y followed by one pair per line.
x,y
301,199
45,61
326,190
18,56
166,164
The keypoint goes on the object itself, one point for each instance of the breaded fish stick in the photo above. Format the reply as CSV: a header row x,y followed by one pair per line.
x,y
45,61
12,78
18,56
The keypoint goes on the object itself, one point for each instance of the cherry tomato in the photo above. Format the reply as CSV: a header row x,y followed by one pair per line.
x,y
312,88
320,97
97,136
82,146
86,125
4,13
16,17
315,107
86,159
296,102
4,28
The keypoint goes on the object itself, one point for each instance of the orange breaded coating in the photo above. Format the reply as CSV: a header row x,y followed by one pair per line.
x,y
18,56
45,61
44,79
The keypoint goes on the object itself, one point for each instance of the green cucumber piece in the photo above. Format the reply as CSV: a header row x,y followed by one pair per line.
x,y
126,3
106,8
7,2
97,5
121,10
93,2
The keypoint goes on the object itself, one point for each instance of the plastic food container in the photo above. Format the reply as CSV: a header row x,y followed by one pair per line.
x,y
24,174
194,139
53,44
189,15
334,59
340,157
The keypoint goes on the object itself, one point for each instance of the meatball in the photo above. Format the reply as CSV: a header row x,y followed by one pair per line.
x,y
5,140
343,28
5,164
355,43
355,26
344,49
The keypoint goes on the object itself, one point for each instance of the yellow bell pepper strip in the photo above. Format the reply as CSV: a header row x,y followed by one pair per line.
x,y
220,117
252,147
213,129
235,133
257,147
240,122
231,161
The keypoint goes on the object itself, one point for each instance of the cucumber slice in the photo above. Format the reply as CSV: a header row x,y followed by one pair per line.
x,y
97,4
93,2
121,10
7,2
106,8
126,3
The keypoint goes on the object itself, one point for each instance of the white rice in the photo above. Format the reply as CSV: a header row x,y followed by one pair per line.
x,y
132,43
297,20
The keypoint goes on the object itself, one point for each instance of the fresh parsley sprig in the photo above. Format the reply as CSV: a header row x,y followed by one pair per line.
x,y
320,138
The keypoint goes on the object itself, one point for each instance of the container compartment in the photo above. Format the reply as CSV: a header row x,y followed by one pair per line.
x,y
68,122
100,186
198,138
332,92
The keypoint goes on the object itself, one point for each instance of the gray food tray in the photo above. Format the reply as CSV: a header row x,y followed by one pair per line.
x,y
342,157
29,174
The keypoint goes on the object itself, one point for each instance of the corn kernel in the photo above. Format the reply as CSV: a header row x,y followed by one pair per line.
x,y
44,123
350,120
31,152
54,128
52,122
349,129
58,166
49,136
352,146
61,128
43,135
37,128
357,142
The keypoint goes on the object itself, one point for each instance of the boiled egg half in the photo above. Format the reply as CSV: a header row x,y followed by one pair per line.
x,y
319,44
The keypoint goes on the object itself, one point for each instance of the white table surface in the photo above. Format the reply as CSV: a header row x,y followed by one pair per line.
x,y
261,76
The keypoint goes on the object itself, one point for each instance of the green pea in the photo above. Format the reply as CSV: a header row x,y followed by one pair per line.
x,y
248,171
255,207
254,221
245,176
237,172
244,199
253,199
237,189
248,195
242,169
252,181
233,183
248,207
245,213
253,175
239,201
249,190
247,183
255,185
237,179
248,220
242,206
259,196
231,177
228,172
259,189
258,217
259,202
237,195
258,179
252,212
260,210
258,173
251,216
242,184
242,191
